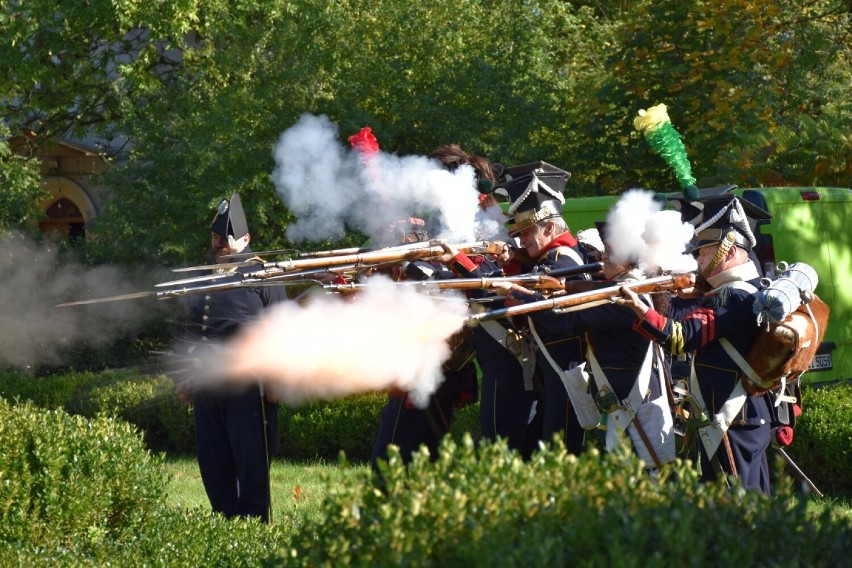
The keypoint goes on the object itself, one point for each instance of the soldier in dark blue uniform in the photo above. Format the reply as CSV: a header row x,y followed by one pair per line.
x,y
236,427
401,422
737,434
627,371
536,194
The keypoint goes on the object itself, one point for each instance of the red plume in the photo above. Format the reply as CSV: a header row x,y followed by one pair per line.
x,y
364,142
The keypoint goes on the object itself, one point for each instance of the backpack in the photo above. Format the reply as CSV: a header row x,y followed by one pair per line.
x,y
783,351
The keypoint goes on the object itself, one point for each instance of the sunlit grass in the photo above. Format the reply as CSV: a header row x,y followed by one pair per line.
x,y
298,488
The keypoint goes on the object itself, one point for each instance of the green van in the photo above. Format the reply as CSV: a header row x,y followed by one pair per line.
x,y
808,225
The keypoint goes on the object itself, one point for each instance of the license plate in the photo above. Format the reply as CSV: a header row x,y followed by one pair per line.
x,y
821,362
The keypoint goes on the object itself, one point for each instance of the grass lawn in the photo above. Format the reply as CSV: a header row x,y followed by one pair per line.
x,y
298,488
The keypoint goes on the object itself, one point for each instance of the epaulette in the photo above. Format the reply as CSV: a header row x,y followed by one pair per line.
x,y
717,298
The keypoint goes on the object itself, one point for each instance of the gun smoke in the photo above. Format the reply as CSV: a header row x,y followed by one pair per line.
x,y
386,337
638,229
330,187
36,277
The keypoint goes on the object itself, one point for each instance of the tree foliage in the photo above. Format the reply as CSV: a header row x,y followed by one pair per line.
x,y
204,89
499,81
742,80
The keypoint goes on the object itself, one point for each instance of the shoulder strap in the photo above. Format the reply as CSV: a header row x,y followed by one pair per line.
x,y
570,253
712,433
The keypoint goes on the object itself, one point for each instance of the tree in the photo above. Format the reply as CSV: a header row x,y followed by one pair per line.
x,y
76,68
737,75
499,78
19,178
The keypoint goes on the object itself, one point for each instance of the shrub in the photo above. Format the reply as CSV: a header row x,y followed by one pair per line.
x,y
324,429
151,405
67,479
822,446
486,507
466,422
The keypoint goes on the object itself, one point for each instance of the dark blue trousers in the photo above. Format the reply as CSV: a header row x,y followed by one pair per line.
x,y
232,445
505,403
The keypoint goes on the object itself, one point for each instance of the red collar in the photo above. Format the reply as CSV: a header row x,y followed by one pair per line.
x,y
566,239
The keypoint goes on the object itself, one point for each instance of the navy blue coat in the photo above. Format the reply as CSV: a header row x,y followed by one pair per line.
x,y
235,428
567,350
724,312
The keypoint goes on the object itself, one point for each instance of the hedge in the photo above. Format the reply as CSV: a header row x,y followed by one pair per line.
x,y
481,505
86,492
822,445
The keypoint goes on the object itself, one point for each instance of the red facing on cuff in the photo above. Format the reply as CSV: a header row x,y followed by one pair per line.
x,y
654,318
465,262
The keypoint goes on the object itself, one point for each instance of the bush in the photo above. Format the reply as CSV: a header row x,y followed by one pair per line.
x,y
324,429
67,479
486,507
822,446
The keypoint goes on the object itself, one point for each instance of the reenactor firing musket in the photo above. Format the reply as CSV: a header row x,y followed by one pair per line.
x,y
590,298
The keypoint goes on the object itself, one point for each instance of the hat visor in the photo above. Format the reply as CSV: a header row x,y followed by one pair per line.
x,y
524,219
716,237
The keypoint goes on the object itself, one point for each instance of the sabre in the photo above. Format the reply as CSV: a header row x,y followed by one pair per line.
x,y
797,471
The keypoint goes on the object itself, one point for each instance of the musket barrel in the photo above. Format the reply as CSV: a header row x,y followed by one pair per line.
x,y
590,268
659,283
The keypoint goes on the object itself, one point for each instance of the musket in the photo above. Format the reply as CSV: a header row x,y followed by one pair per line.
x,y
358,260
295,271
158,294
214,283
588,299
552,280
358,256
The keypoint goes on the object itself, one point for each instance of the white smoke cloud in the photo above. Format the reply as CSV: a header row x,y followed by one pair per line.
x,y
490,224
639,230
387,336
329,186
666,236
35,277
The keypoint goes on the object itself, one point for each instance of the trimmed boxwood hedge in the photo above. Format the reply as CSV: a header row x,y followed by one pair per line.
x,y
822,446
483,506
78,491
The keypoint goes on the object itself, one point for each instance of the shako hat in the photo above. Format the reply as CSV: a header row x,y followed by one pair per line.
x,y
535,193
717,215
230,218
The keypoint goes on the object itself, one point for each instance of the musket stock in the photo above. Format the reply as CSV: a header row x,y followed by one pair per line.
x,y
593,297
546,281
536,281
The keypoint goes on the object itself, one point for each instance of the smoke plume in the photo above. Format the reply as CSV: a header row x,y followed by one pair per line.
x,y
638,230
330,187
386,337
34,278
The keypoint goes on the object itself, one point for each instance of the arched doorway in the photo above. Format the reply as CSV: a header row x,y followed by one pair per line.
x,y
64,220
67,210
